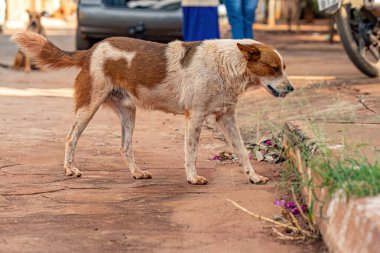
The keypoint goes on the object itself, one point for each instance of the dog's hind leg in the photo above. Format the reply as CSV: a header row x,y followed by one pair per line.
x,y
123,106
19,60
194,122
228,124
83,116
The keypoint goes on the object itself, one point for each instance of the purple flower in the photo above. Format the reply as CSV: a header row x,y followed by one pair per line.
x,y
295,211
216,158
280,203
291,206
268,142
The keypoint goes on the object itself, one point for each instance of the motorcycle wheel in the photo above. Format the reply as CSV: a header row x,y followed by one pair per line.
x,y
353,29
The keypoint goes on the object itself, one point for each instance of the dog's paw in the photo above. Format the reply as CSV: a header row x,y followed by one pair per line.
x,y
197,180
142,174
257,179
73,171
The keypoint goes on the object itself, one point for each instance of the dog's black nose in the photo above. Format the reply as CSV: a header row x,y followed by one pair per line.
x,y
290,87
34,23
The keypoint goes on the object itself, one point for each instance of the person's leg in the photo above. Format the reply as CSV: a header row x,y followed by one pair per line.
x,y
188,23
208,25
200,23
249,14
235,18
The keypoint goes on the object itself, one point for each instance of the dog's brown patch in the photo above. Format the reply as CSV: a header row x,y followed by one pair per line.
x,y
148,67
267,64
190,49
82,89
120,74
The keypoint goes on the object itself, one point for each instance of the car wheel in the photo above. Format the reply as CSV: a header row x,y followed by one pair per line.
x,y
81,42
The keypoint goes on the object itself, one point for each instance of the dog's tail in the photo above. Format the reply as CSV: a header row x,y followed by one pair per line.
x,y
6,66
45,53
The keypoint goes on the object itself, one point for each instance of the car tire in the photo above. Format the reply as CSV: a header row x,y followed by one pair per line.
x,y
81,42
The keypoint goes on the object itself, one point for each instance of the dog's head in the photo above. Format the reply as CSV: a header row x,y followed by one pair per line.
x,y
265,65
35,19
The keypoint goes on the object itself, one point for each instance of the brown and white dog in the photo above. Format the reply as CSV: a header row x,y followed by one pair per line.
x,y
195,79
22,61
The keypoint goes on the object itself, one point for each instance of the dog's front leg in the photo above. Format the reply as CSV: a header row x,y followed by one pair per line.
x,y
228,124
194,123
28,64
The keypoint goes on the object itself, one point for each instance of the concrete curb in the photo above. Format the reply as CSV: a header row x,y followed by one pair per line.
x,y
346,227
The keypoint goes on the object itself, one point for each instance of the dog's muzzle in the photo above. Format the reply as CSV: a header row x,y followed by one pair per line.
x,y
273,91
281,93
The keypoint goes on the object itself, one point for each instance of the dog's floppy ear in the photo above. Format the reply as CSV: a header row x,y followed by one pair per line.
x,y
250,52
29,12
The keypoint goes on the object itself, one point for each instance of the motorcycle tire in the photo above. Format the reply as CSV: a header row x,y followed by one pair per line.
x,y
350,45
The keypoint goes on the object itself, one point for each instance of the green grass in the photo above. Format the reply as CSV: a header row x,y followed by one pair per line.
x,y
349,177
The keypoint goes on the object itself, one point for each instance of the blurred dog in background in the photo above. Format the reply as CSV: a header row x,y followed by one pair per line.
x,y
22,61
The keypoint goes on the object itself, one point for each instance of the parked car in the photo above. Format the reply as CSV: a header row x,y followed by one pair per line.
x,y
155,20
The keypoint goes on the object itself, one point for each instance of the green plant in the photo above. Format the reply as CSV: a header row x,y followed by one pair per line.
x,y
348,177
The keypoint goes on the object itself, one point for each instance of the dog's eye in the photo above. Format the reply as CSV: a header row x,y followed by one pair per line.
x,y
276,69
